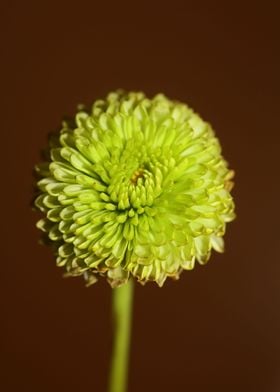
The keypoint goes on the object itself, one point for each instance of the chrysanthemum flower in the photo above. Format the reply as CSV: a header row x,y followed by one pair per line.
x,y
135,187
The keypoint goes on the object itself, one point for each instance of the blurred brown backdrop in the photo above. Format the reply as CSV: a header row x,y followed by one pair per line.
x,y
217,328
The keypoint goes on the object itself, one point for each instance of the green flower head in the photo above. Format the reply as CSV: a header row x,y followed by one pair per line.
x,y
134,187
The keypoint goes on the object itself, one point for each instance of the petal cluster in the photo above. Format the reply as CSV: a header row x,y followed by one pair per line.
x,y
134,187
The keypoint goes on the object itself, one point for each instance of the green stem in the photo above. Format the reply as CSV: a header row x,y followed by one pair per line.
x,y
122,306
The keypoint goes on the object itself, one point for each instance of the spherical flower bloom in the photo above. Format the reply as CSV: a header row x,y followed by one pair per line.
x,y
134,187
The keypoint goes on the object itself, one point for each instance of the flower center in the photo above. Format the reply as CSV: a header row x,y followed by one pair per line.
x,y
137,174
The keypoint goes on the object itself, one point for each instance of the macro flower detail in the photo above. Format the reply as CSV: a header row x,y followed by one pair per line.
x,y
134,187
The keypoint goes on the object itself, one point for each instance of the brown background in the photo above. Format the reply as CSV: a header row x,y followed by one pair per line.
x,y
217,328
